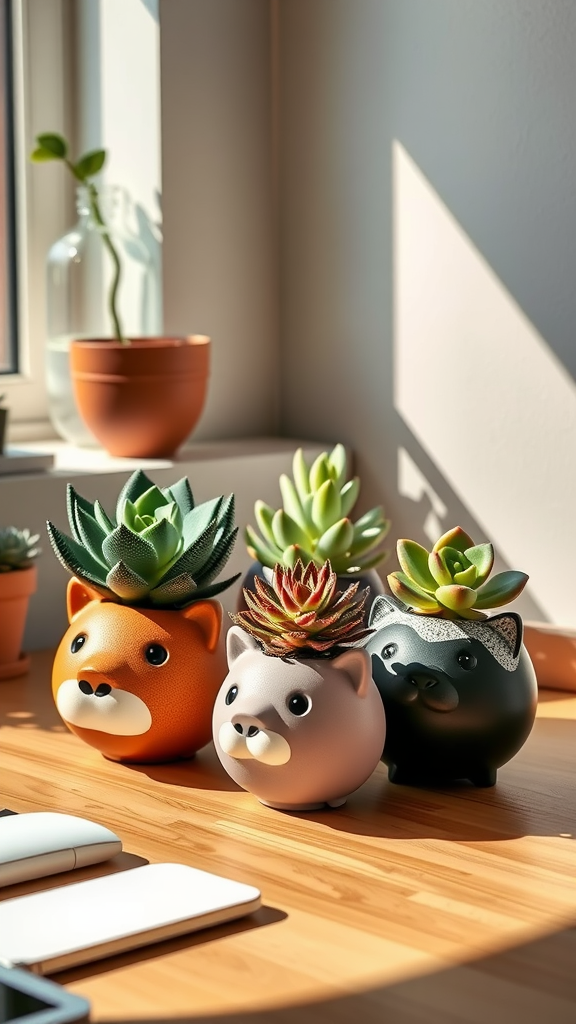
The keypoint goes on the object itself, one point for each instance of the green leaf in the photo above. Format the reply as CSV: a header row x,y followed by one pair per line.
x,y
366,540
411,594
467,578
439,569
375,517
76,559
338,463
54,144
74,501
286,531
165,540
455,538
172,514
131,549
482,557
503,587
319,471
456,598
295,552
148,503
90,164
203,593
91,534
361,564
194,558
259,551
300,474
326,506
336,540
196,521
102,518
182,494
349,495
413,559
136,485
291,502
126,583
218,558
226,514
264,516
174,591
41,156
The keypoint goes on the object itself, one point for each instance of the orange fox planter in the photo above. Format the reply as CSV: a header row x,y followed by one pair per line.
x,y
136,683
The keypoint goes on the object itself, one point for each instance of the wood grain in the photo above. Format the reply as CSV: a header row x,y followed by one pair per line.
x,y
454,905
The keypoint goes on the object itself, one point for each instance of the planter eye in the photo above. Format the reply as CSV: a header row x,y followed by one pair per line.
x,y
467,661
78,642
389,651
231,695
155,654
299,704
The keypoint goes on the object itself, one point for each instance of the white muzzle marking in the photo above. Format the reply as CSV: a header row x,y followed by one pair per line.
x,y
119,713
268,747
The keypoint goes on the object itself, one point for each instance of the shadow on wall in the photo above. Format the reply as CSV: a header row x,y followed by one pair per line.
x,y
487,408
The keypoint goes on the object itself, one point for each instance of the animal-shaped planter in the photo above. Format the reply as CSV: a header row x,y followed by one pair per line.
x,y
297,733
460,696
136,683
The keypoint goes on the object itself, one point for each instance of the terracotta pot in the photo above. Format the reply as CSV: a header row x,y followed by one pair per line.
x,y
136,683
553,651
16,588
298,733
460,696
368,578
142,399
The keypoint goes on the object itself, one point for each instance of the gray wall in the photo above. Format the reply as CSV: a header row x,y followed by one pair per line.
x,y
480,99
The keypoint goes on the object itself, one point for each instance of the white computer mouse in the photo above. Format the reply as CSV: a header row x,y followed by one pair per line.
x,y
43,843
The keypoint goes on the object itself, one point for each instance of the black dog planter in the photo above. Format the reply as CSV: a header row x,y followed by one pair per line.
x,y
460,696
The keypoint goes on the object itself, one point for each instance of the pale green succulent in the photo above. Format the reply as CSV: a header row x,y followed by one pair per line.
x,y
160,550
17,548
314,524
450,581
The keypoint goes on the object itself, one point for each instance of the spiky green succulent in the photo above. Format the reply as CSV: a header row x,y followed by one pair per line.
x,y
314,524
17,548
302,613
160,549
450,580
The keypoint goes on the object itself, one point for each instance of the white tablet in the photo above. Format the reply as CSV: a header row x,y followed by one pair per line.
x,y
49,931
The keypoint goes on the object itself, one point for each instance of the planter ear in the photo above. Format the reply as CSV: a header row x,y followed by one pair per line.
x,y
208,617
356,664
382,607
237,642
511,629
78,595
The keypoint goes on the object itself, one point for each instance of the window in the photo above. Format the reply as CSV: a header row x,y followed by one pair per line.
x,y
8,339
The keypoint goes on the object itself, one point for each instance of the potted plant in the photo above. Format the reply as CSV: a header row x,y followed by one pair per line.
x,y
18,578
315,524
122,385
458,686
298,720
137,671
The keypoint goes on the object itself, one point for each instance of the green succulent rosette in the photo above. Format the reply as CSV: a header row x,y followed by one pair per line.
x,y
18,548
159,550
451,581
314,523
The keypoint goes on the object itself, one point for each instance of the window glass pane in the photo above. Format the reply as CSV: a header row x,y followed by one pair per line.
x,y
8,350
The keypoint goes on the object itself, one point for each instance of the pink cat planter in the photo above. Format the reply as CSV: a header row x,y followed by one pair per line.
x,y
297,733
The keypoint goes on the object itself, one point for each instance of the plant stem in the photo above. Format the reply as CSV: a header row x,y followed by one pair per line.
x,y
94,206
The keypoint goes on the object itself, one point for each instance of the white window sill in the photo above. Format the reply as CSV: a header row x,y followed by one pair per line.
x,y
248,467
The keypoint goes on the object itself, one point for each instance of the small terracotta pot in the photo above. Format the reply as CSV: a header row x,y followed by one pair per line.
x,y
553,652
16,588
141,399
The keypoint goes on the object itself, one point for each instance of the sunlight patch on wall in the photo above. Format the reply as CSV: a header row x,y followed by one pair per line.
x,y
483,393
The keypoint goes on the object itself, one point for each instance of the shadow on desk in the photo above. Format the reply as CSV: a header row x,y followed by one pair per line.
x,y
533,983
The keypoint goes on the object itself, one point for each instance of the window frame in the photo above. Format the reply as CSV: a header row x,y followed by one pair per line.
x,y
41,102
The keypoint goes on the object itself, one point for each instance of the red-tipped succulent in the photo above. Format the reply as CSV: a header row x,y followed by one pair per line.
x,y
301,613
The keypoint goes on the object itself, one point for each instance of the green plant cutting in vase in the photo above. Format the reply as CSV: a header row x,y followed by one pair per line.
x,y
451,581
51,146
314,523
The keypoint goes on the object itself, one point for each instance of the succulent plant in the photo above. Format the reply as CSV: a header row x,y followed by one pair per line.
x,y
314,523
160,550
17,548
301,613
450,581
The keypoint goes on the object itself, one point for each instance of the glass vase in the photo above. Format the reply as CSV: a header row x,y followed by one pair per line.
x,y
81,279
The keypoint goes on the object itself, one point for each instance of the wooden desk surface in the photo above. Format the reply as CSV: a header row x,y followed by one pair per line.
x,y
406,905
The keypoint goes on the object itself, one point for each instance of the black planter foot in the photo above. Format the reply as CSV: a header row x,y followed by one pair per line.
x,y
483,777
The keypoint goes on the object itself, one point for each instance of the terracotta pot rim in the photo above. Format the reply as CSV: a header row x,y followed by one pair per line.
x,y
152,341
